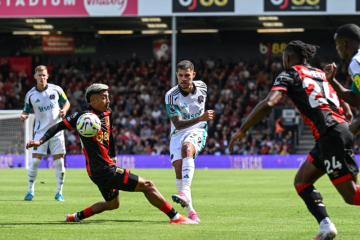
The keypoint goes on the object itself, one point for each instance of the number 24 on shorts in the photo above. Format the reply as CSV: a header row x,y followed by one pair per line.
x,y
335,164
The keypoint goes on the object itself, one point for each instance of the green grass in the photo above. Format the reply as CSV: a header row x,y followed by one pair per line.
x,y
232,204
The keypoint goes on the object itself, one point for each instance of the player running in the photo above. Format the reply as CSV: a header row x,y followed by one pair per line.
x,y
44,99
100,161
347,39
320,108
185,104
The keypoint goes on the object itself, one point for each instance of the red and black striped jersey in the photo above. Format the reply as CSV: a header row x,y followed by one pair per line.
x,y
313,96
99,149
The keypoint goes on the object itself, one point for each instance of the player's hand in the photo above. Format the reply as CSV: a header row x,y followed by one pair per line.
x,y
330,70
24,117
33,143
208,115
236,137
355,126
62,113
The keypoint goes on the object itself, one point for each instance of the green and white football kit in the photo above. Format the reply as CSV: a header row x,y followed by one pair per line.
x,y
46,108
189,106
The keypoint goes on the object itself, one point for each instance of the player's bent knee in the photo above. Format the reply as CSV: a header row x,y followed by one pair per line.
x,y
187,150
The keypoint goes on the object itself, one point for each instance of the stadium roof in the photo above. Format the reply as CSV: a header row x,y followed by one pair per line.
x,y
136,24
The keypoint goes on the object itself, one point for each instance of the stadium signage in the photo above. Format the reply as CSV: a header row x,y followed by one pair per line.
x,y
63,8
272,48
294,5
203,6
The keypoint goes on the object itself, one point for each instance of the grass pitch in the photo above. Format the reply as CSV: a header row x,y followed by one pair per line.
x,y
232,204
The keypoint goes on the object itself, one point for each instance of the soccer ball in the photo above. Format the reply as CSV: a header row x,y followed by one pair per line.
x,y
88,125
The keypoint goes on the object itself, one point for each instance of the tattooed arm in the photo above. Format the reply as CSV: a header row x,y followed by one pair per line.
x,y
180,124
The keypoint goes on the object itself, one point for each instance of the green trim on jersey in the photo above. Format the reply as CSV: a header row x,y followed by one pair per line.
x,y
356,84
173,110
27,108
204,137
46,87
63,97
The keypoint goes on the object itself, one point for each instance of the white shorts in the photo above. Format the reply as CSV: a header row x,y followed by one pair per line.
x,y
56,144
197,139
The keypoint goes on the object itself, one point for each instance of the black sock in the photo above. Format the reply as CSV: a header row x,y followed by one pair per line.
x,y
314,202
172,213
81,215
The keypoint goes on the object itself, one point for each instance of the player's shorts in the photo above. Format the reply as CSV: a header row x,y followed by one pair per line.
x,y
56,145
117,179
333,154
197,138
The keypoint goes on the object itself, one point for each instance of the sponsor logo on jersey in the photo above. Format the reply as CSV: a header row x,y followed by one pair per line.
x,y
201,99
191,116
37,100
47,108
52,97
184,106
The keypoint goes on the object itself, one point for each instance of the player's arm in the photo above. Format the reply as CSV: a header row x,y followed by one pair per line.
x,y
346,111
112,147
180,123
349,96
49,134
27,109
259,112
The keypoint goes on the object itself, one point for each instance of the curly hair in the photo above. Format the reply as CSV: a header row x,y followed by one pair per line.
x,y
303,50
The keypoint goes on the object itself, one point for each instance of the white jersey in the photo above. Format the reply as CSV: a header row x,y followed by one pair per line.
x,y
354,72
187,105
46,107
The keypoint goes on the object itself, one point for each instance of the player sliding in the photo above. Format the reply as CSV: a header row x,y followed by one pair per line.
x,y
347,39
100,162
44,99
185,104
320,108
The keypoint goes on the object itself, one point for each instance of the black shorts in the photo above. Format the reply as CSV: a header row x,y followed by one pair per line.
x,y
116,179
333,154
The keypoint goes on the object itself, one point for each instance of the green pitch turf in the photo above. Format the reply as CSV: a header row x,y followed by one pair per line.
x,y
232,204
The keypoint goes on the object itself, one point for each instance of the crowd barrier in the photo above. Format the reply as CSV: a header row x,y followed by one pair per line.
x,y
163,161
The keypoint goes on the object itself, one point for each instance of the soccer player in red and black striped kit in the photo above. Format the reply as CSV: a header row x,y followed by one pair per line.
x,y
325,113
101,162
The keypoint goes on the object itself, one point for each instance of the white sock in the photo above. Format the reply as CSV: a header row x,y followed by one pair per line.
x,y
188,169
178,184
59,174
32,173
176,217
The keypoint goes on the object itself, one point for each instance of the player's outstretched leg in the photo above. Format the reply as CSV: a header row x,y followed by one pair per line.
x,y
98,207
32,174
157,200
60,177
306,176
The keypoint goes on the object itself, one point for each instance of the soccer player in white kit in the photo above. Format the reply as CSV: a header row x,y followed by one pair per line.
x,y
44,99
185,104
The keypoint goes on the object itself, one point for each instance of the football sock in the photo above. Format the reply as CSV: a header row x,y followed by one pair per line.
x,y
86,213
188,168
32,173
178,184
357,197
169,210
59,174
313,201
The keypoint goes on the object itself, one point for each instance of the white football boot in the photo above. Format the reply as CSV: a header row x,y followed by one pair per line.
x,y
327,230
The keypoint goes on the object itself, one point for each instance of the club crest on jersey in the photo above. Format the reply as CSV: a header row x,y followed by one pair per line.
x,y
201,99
52,96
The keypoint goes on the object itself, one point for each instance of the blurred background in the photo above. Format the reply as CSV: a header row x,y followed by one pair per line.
x,y
133,45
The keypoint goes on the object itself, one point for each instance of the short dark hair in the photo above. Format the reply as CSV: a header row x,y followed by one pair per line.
x,y
349,31
95,88
185,64
301,49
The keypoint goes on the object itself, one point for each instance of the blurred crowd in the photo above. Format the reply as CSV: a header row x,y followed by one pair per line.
x,y
137,90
